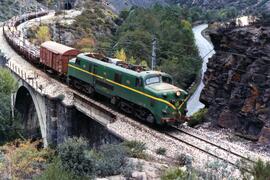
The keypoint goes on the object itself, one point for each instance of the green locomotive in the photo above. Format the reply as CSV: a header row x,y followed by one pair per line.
x,y
149,95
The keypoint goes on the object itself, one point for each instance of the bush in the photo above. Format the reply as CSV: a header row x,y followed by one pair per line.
x,y
184,160
75,156
261,170
161,151
25,159
55,171
135,149
111,160
174,174
197,118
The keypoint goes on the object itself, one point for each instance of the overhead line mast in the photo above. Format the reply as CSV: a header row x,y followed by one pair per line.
x,y
154,56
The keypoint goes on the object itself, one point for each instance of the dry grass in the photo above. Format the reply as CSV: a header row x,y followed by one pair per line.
x,y
24,159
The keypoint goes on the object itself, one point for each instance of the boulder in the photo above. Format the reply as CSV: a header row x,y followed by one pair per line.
x,y
139,175
227,119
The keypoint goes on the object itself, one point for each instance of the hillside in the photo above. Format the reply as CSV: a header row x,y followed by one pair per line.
x,y
97,29
119,5
217,4
9,8
235,5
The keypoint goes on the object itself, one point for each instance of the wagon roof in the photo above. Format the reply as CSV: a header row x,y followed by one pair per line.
x,y
56,47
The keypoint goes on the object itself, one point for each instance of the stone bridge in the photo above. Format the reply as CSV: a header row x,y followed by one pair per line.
x,y
52,119
51,116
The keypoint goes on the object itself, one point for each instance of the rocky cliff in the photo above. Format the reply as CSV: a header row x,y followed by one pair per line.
x,y
237,82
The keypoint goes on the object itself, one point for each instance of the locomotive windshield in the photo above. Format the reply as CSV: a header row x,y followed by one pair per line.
x,y
152,80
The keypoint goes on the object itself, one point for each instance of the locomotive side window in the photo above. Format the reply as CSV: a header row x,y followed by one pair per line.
x,y
138,82
118,78
166,79
78,61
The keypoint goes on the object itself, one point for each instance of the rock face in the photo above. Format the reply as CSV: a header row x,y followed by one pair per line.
x,y
237,82
9,8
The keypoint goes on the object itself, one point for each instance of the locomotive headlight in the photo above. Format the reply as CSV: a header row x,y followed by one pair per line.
x,y
164,111
178,93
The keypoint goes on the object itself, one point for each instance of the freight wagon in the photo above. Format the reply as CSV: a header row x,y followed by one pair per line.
x,y
56,56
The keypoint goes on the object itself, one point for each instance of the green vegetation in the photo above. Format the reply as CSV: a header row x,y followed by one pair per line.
x,y
43,34
7,125
96,24
121,55
161,151
261,170
24,158
197,118
55,171
184,160
174,174
171,26
135,149
129,37
75,156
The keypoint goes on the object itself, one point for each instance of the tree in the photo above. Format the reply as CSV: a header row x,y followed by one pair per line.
x,y
43,34
132,60
121,55
7,85
176,50
7,82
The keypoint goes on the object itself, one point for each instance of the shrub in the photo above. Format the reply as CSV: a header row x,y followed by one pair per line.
x,y
161,151
261,170
111,160
75,156
174,174
25,159
183,160
197,118
55,171
135,149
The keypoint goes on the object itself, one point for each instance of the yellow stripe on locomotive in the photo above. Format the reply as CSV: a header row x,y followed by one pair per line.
x,y
144,94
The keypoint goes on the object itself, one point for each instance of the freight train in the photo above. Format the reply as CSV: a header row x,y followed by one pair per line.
x,y
149,95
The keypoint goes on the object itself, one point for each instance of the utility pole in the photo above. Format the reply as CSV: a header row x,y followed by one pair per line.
x,y
20,4
154,56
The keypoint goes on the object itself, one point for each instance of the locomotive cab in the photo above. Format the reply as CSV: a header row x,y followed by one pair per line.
x,y
172,108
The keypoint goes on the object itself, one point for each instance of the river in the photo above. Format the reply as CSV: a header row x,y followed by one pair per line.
x,y
205,50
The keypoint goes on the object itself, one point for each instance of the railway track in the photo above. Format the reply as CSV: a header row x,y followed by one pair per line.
x,y
217,151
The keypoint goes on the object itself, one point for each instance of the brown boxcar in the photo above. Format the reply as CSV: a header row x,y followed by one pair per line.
x,y
56,56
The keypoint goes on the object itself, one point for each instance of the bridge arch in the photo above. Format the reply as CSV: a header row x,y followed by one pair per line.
x,y
32,116
68,4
